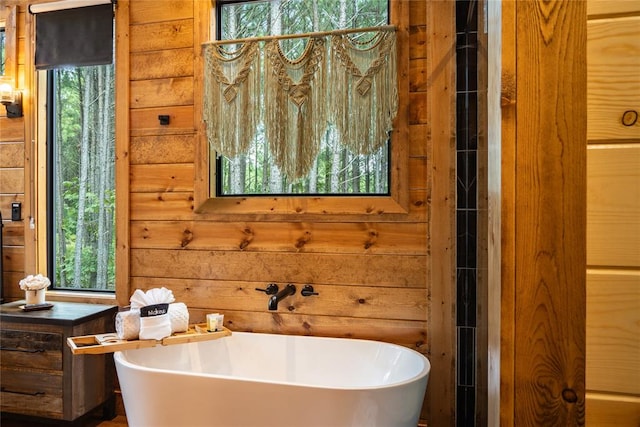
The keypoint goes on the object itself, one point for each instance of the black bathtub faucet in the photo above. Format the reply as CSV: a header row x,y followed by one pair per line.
x,y
275,299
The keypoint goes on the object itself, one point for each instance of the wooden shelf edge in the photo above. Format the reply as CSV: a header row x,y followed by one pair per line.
x,y
109,343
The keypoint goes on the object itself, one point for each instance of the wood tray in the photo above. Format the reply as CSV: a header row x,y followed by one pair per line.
x,y
109,343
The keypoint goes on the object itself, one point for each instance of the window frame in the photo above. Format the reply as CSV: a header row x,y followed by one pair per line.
x,y
48,126
282,207
36,194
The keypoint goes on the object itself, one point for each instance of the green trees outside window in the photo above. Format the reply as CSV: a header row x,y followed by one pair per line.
x,y
81,195
336,170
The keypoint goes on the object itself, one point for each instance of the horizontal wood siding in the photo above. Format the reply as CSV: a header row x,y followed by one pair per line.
x,y
12,159
370,270
613,198
613,214
613,58
371,267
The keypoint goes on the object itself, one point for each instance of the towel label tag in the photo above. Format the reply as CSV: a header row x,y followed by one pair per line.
x,y
154,310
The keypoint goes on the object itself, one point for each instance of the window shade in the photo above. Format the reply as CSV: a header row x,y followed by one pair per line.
x,y
74,37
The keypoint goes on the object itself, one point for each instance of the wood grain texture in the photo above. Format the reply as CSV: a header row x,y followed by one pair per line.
x,y
374,270
507,182
256,236
123,126
613,214
162,64
13,259
160,36
162,177
11,155
492,55
550,204
599,8
161,92
11,289
611,410
162,149
613,205
12,233
145,122
440,110
613,78
370,258
148,11
411,334
357,301
11,130
613,328
12,180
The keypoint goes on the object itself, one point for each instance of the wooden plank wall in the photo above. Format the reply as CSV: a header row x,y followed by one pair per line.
x,y
376,275
542,200
371,274
613,213
12,159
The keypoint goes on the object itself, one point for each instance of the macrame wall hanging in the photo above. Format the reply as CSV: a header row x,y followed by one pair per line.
x,y
231,86
363,79
294,102
336,80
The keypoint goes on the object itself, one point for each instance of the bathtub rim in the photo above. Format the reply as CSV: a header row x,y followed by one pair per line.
x,y
120,357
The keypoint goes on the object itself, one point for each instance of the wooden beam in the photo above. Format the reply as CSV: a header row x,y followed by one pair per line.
x,y
122,152
441,109
545,332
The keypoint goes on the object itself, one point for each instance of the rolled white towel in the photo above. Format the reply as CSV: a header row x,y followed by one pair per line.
x,y
128,322
151,297
154,312
156,325
179,316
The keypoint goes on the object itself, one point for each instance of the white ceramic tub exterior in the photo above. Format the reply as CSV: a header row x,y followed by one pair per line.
x,y
251,379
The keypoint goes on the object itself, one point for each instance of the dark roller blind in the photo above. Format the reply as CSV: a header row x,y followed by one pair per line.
x,y
74,37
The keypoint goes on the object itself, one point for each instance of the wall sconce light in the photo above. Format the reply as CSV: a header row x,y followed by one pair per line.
x,y
12,100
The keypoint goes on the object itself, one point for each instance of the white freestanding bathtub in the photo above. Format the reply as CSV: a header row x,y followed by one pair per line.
x,y
251,379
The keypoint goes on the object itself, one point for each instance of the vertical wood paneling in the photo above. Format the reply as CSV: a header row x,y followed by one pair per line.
x,y
550,206
441,115
122,96
500,140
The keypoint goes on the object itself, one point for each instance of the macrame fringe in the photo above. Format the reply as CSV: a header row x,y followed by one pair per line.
x,y
353,86
364,84
231,107
295,106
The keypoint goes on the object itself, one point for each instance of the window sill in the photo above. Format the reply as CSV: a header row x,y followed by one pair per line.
x,y
79,296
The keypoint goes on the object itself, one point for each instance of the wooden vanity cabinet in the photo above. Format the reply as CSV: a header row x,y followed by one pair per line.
x,y
39,376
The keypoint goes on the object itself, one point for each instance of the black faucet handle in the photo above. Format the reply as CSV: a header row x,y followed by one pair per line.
x,y
272,289
307,291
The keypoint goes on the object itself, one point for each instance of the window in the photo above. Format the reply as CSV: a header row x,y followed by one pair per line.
x,y
2,49
80,160
336,170
76,146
